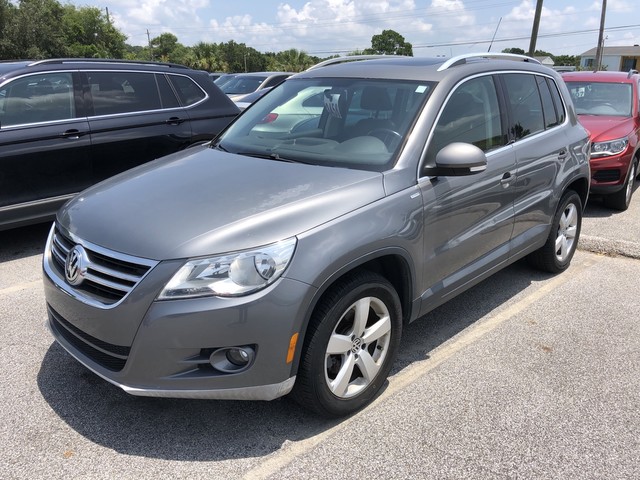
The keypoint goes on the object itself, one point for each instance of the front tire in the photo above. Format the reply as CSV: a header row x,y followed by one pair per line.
x,y
350,345
556,254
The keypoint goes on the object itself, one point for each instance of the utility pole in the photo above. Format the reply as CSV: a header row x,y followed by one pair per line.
x,y
534,30
600,37
150,47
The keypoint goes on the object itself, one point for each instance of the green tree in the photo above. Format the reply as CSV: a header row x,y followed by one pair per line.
x,y
166,48
389,42
34,30
204,56
290,61
517,51
88,34
241,58
570,60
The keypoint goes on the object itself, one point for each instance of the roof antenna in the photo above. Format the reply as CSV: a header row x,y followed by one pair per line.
x,y
494,35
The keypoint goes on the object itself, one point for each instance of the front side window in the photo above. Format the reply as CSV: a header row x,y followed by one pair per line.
x,y
470,115
351,122
123,92
44,97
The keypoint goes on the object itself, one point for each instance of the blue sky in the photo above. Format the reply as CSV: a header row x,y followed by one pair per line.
x,y
327,27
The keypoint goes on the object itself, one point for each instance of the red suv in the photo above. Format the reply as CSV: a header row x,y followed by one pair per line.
x,y
607,106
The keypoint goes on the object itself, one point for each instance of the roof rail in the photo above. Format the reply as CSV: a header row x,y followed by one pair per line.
x,y
631,72
462,59
349,58
50,61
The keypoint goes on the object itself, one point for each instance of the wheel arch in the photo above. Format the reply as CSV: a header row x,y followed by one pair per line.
x,y
392,264
581,187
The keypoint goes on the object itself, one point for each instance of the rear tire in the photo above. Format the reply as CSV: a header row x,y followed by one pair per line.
x,y
622,198
556,254
350,345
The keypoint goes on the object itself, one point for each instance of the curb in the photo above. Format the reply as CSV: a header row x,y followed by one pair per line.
x,y
605,246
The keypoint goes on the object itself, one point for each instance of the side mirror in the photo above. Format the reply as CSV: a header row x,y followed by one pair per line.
x,y
458,159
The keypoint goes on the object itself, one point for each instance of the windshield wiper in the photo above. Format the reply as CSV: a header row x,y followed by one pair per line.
x,y
269,156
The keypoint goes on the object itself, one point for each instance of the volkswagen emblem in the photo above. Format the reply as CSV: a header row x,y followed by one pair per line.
x,y
75,267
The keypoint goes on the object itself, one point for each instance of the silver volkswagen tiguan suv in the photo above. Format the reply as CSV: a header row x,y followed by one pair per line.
x,y
279,261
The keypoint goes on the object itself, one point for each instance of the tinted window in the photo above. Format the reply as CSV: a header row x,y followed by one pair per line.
x,y
122,92
548,109
526,108
167,96
37,98
471,115
188,91
557,100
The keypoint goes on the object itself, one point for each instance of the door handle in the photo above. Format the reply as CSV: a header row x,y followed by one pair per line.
x,y
72,134
174,121
506,179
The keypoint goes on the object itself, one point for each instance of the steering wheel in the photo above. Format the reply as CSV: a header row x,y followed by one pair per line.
x,y
391,138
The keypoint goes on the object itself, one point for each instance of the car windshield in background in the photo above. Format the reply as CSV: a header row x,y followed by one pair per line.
x,y
356,123
242,84
601,98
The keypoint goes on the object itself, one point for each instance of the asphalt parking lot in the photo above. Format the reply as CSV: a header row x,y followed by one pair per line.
x,y
527,375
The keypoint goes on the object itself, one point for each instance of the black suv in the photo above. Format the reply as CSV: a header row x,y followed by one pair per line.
x,y
66,124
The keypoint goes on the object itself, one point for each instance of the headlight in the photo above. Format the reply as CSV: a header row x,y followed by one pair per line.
x,y
230,275
614,147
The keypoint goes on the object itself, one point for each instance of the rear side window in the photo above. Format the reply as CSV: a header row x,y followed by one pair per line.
x,y
188,91
44,97
548,108
526,107
167,96
471,115
557,101
123,92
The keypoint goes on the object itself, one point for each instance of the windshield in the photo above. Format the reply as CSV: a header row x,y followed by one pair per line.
x,y
357,123
600,98
242,84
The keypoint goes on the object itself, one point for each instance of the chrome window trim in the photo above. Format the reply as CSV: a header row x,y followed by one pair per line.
x,y
155,110
495,151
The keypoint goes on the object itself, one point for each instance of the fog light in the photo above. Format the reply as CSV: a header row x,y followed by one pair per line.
x,y
238,356
232,359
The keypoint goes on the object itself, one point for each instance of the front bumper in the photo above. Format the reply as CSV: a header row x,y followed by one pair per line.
x,y
163,349
608,174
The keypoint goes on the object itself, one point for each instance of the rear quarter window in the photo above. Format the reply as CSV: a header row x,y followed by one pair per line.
x,y
188,91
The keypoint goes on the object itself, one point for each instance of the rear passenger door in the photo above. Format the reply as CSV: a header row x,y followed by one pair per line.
x,y
135,117
541,148
468,219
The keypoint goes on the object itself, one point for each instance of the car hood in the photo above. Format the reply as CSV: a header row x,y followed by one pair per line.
x,y
605,128
203,201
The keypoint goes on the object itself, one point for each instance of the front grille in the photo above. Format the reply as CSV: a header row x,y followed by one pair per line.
x,y
606,176
109,356
110,276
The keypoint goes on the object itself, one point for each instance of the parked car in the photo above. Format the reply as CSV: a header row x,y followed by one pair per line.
x,y
243,101
224,78
607,105
303,110
67,124
276,263
244,83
